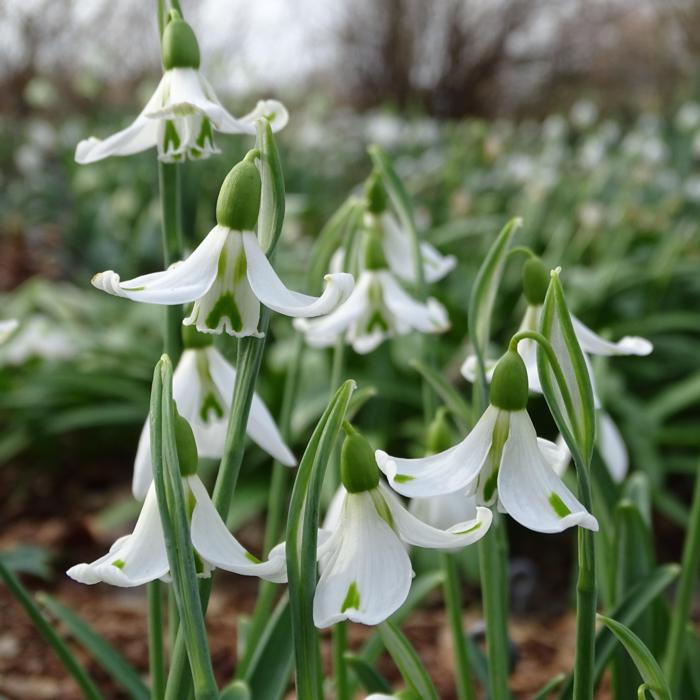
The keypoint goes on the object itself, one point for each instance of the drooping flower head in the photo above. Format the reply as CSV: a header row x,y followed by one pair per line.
x,y
141,557
183,113
203,384
379,307
501,461
365,569
228,276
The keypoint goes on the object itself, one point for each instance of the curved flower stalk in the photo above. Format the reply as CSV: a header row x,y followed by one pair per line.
x,y
535,280
365,569
141,557
228,276
183,113
501,461
202,389
7,328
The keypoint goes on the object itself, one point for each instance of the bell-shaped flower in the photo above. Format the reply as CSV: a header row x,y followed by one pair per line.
x,y
183,113
378,308
7,328
203,384
228,276
365,569
141,557
501,461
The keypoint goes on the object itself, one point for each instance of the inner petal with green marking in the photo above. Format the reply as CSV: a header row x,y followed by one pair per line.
x,y
488,477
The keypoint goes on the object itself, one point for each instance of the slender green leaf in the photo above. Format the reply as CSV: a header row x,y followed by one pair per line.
x,y
72,665
98,647
272,202
451,397
550,686
372,681
408,662
643,659
28,559
238,690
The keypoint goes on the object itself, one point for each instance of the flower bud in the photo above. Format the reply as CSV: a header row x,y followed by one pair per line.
x,y
440,435
358,468
186,445
535,281
509,387
375,193
180,47
373,252
238,204
192,339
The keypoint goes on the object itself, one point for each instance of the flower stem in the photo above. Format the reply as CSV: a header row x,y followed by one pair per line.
x,y
453,602
339,638
674,656
155,640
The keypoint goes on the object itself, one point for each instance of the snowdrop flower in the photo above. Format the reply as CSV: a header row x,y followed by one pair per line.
x,y
228,276
41,337
183,113
501,461
141,557
7,328
202,389
365,569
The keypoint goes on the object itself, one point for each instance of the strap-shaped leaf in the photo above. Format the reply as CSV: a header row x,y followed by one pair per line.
x,y
98,647
483,297
572,404
71,664
302,533
551,685
457,405
408,662
372,681
272,201
644,660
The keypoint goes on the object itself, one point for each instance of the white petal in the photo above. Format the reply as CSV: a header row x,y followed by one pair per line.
x,y
215,544
612,447
430,317
446,471
444,511
556,454
143,465
528,488
365,571
595,345
273,110
364,343
415,531
179,284
135,559
7,328
470,368
335,509
261,427
140,135
268,287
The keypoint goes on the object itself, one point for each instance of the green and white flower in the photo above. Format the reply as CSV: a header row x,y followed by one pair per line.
x,y
228,275
500,462
365,569
141,557
203,384
182,115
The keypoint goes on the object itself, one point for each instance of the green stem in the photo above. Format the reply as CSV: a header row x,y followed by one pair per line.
x,y
453,602
155,640
173,621
169,182
586,598
339,640
675,653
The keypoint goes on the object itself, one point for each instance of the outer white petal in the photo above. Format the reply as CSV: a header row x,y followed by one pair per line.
x,y
364,557
364,343
415,531
325,331
556,454
381,696
143,465
444,511
261,427
215,544
140,557
268,287
595,345
528,488
7,328
335,510
446,471
612,447
273,110
430,317
179,284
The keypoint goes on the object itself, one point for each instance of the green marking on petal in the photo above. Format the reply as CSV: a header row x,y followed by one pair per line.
x,y
490,485
133,289
560,508
225,307
119,563
198,563
170,136
240,268
253,558
403,478
377,320
205,134
468,530
210,403
352,598
221,265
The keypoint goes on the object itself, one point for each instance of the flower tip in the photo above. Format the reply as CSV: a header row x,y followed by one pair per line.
x,y
555,272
